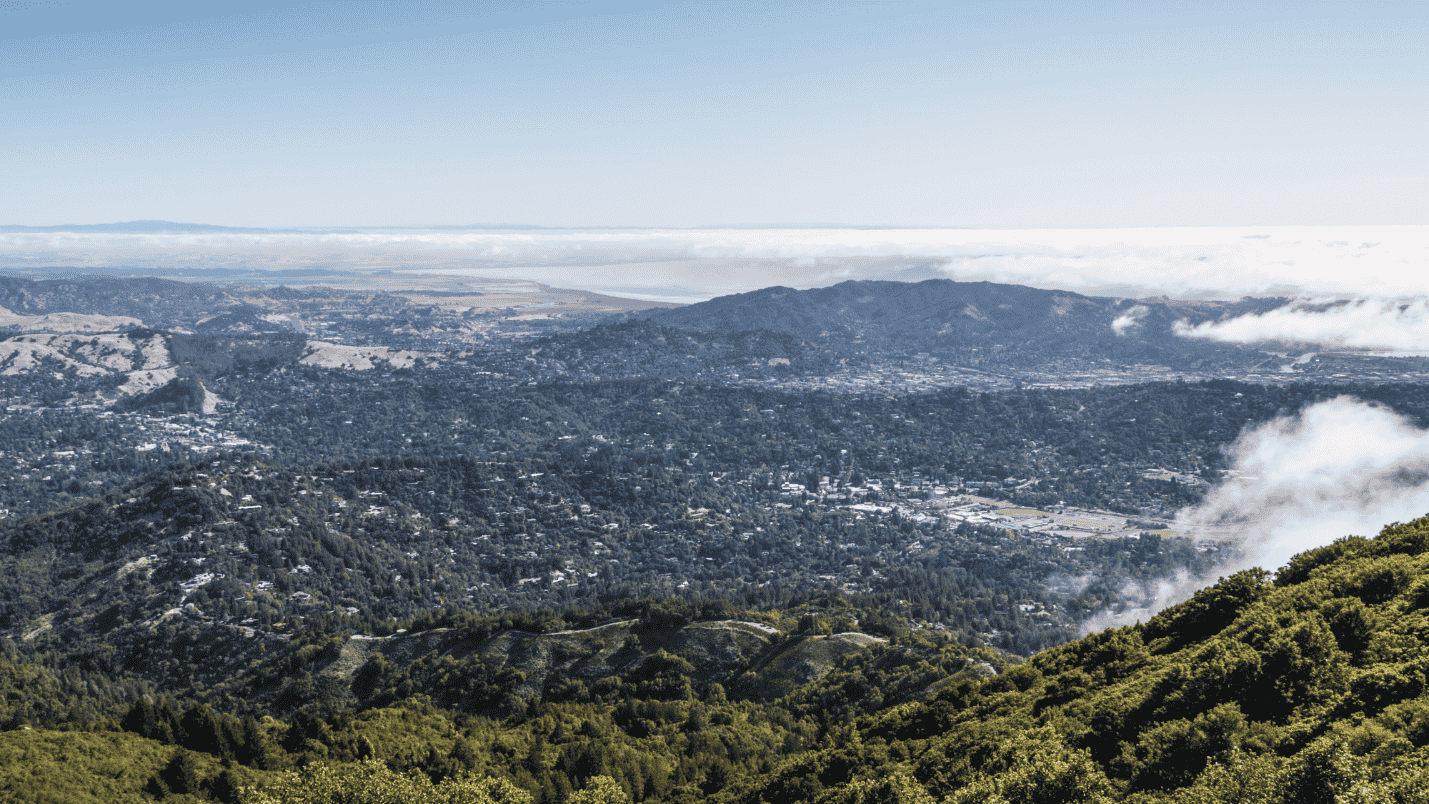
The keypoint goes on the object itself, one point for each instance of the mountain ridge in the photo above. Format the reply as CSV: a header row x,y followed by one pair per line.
x,y
946,317
962,307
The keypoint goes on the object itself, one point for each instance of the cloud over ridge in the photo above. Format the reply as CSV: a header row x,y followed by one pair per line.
x,y
1129,321
1337,468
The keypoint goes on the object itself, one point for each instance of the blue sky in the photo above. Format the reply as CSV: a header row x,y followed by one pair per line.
x,y
983,115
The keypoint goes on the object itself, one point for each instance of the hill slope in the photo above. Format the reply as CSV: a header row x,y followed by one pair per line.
x,y
1307,688
944,317
1310,688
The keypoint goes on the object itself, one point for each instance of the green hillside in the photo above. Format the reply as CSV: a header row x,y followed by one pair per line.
x,y
55,767
1305,687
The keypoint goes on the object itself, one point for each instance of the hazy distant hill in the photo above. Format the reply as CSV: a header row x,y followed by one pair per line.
x,y
130,227
941,316
400,317
153,301
168,304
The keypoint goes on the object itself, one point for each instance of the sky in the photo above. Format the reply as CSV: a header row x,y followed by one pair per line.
x,y
992,116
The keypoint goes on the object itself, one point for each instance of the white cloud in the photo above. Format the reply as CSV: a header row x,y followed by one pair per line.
x,y
1140,602
1367,323
1338,468
1129,321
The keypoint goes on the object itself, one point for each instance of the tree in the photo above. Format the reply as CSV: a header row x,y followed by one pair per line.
x,y
897,788
1039,769
600,790
372,782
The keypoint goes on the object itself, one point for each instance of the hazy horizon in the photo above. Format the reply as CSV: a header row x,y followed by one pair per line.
x,y
698,263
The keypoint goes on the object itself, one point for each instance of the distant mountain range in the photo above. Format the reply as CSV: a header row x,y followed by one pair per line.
x,y
156,226
981,325
168,304
131,227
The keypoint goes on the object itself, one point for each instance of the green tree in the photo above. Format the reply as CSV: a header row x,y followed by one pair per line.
x,y
600,790
372,782
896,788
1038,768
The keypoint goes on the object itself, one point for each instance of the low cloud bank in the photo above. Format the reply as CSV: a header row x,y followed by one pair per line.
x,y
1337,468
1364,323
1235,260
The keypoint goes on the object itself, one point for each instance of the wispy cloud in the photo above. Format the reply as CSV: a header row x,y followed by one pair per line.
x,y
1367,323
1338,468
1129,321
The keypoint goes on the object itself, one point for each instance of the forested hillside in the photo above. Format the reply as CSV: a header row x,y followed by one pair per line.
x,y
1302,686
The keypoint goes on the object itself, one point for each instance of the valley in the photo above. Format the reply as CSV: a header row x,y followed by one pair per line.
x,y
764,548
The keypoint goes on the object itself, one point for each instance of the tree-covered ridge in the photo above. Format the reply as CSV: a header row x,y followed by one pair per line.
x,y
975,323
112,767
1307,688
655,703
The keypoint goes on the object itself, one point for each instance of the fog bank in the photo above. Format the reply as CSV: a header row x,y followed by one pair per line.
x,y
1362,323
1337,468
1222,261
